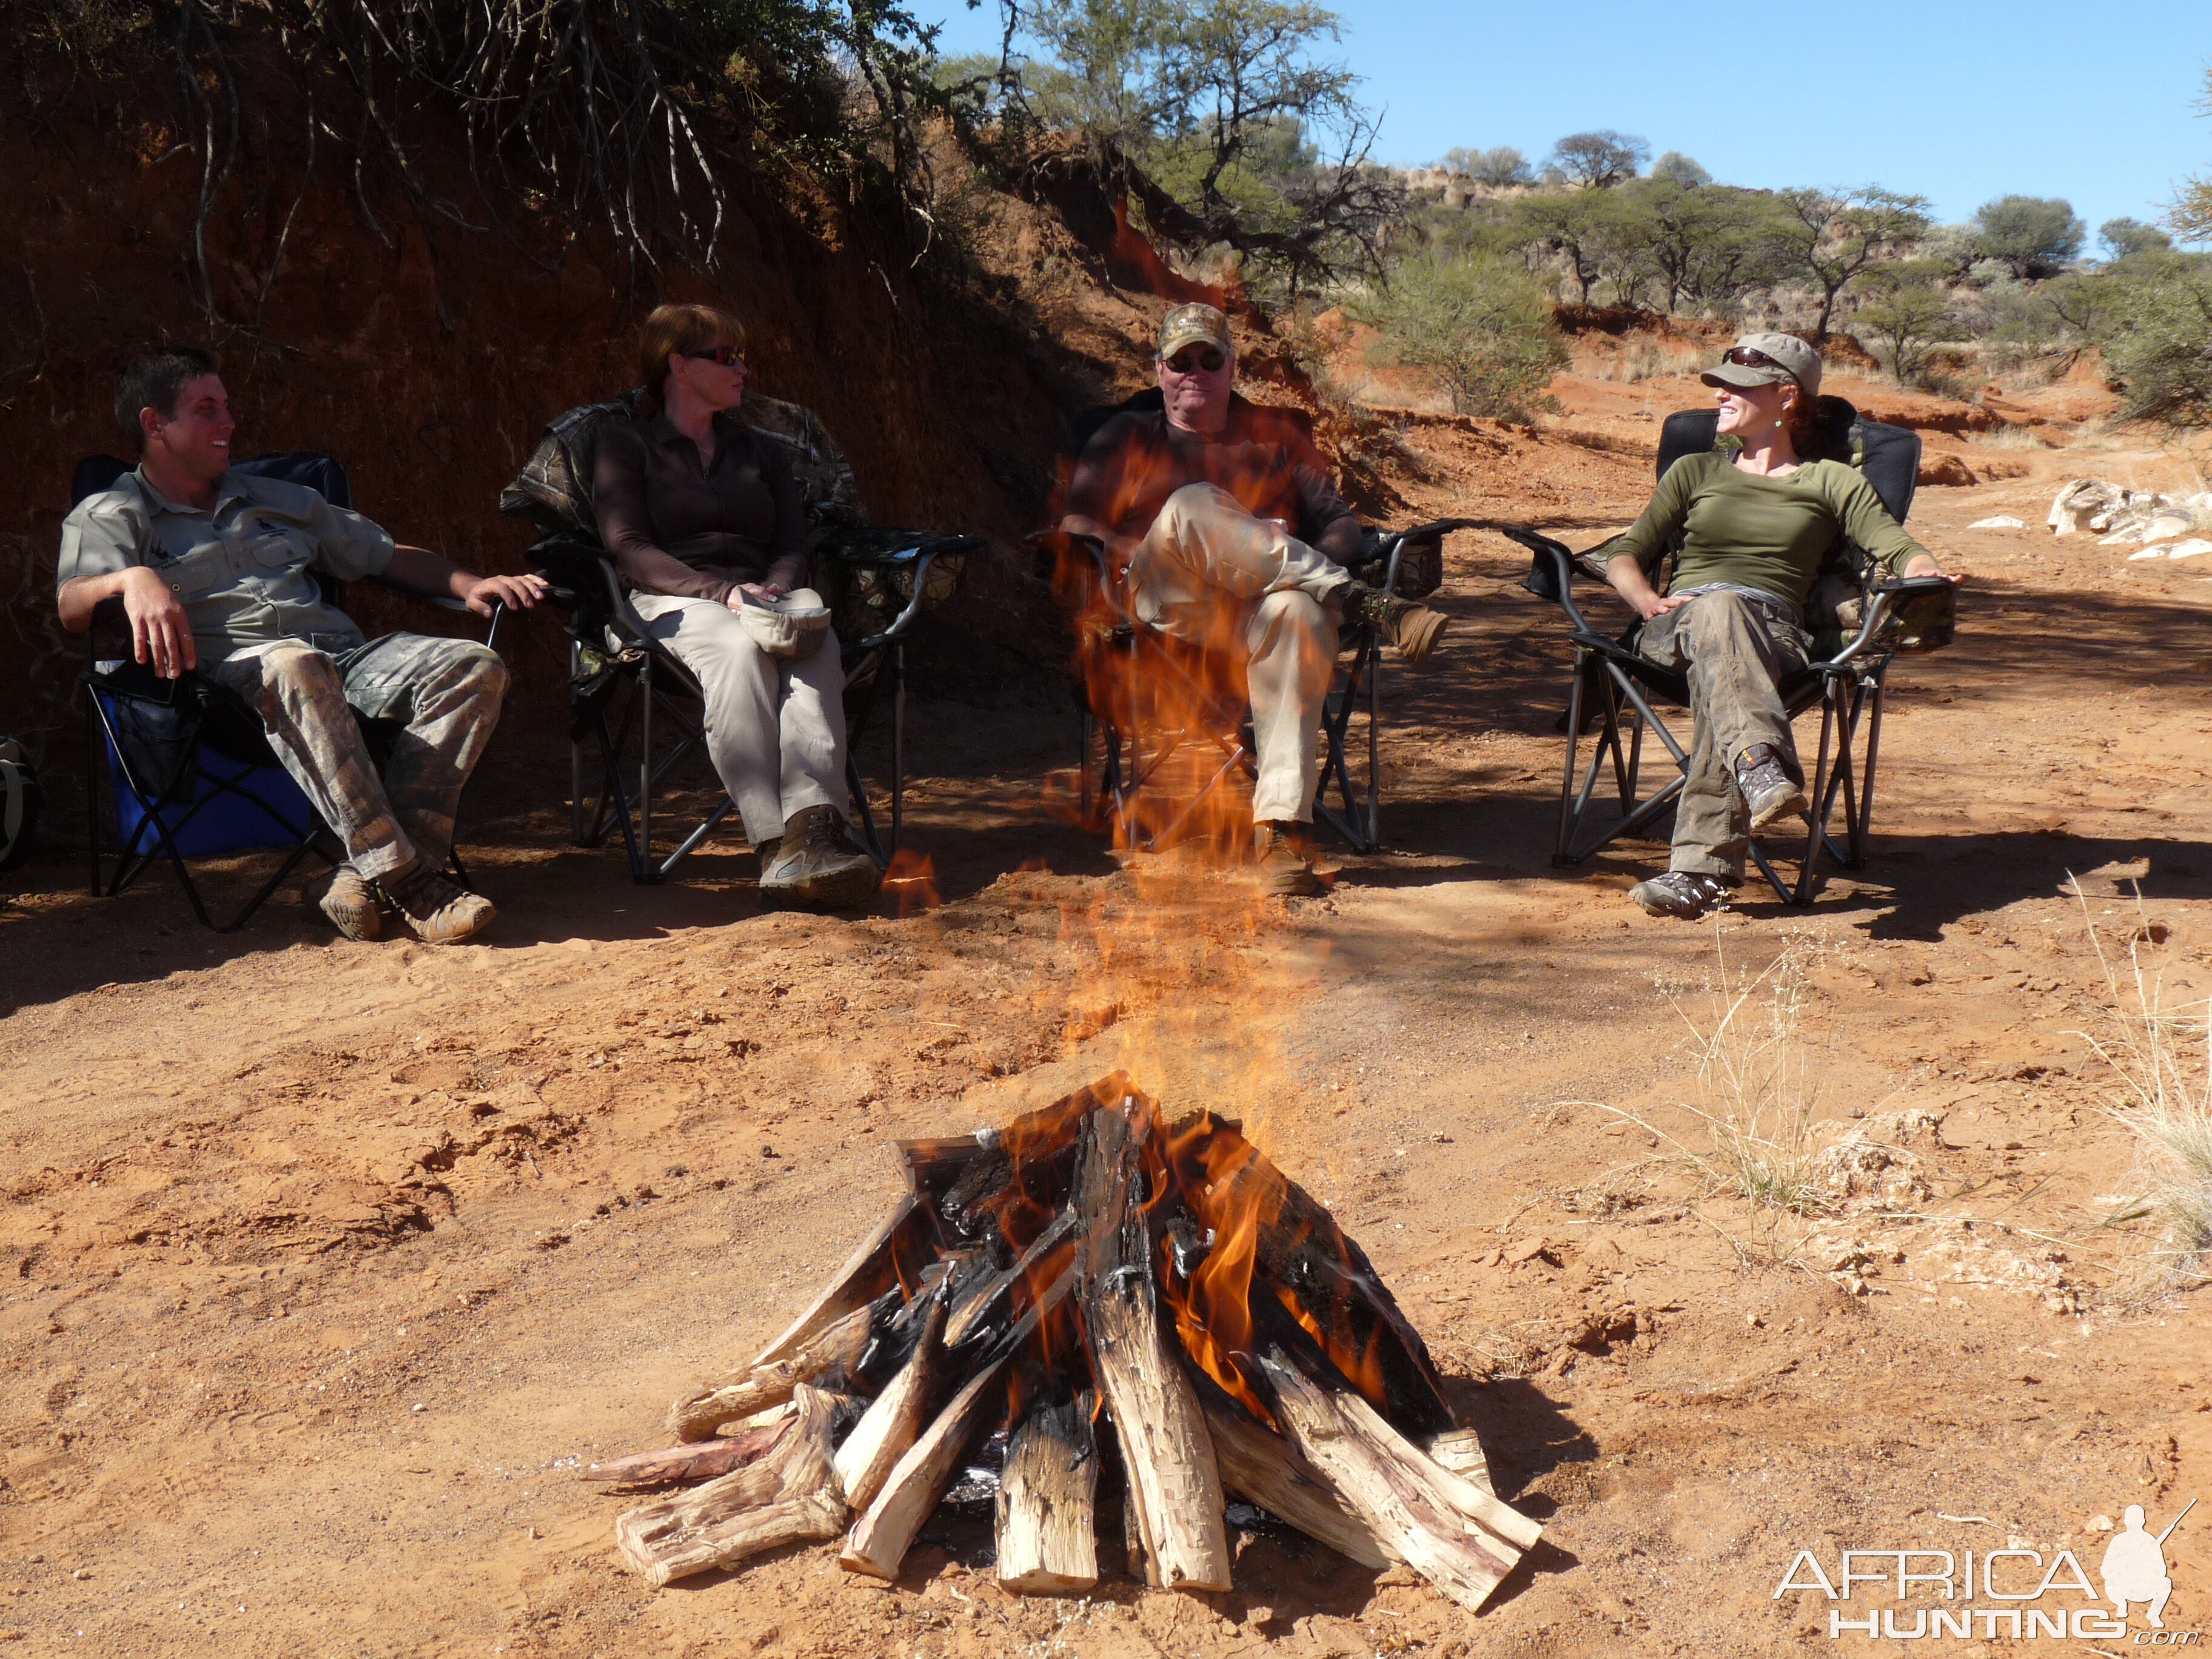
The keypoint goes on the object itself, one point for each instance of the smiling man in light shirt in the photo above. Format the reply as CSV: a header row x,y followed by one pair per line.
x,y
215,571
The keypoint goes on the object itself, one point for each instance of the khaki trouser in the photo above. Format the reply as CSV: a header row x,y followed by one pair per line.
x,y
1735,652
1211,574
775,726
447,691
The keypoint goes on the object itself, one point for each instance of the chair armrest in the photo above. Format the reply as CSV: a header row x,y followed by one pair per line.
x,y
899,623
1553,570
1394,541
1884,600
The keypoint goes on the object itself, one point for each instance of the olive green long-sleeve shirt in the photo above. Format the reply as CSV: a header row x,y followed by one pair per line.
x,y
1769,534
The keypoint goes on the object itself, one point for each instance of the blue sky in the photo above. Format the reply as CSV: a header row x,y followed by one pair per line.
x,y
1960,100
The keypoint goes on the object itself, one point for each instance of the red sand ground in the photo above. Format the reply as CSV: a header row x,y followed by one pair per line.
x,y
324,1267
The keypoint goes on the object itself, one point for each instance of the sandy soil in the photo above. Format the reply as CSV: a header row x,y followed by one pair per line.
x,y
325,1266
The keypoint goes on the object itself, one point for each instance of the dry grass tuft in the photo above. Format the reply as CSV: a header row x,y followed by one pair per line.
x,y
2163,1060
1763,1139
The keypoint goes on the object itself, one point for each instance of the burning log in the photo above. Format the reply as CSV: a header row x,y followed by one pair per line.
x,y
1452,1534
891,1425
1090,1259
881,1537
1046,1518
1173,1477
837,1347
787,1495
1263,1469
893,1255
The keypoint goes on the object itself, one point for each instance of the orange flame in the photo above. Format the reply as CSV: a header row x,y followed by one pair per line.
x,y
911,879
1246,1203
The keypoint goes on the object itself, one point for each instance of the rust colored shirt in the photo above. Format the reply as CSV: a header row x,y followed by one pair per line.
x,y
677,528
1134,462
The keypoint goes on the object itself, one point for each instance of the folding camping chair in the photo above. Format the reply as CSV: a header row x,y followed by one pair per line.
x,y
624,684
1847,677
189,771
1128,736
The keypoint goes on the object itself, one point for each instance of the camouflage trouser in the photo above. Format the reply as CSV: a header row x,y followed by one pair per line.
x,y
448,692
1735,651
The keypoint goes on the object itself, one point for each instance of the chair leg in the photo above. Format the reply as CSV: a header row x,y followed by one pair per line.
x,y
95,753
1374,747
859,789
1568,812
898,743
1862,825
645,768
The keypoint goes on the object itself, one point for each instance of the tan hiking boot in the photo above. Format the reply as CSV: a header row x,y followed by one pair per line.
x,y
350,901
817,861
440,911
1284,854
1413,629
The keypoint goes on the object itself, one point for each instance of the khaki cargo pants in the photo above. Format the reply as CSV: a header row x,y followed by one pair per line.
x,y
1211,574
448,692
1735,650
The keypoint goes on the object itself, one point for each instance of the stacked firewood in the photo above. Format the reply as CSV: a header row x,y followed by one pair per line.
x,y
1103,1293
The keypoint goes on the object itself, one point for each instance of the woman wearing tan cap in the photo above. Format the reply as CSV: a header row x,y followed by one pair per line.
x,y
1756,522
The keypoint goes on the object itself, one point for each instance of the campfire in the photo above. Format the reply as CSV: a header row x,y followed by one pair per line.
x,y
1120,1301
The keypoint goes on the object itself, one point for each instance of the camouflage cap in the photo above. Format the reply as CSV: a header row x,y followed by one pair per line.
x,y
1194,324
1788,359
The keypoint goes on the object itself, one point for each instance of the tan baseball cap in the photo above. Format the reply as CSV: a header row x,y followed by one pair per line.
x,y
1787,359
1194,325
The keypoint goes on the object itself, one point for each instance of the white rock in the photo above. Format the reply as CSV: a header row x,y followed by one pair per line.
x,y
2000,522
2148,553
2190,549
2078,504
2126,536
2164,527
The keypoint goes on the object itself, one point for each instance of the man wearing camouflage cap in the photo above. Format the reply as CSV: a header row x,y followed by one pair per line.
x,y
1223,515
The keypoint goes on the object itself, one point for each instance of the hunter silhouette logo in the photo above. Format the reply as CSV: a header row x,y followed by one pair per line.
x,y
2134,1568
2023,1594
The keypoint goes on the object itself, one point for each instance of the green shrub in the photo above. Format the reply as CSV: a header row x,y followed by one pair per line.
x,y
1481,326
2159,344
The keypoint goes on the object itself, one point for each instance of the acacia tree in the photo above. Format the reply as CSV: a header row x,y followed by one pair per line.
x,y
1566,225
1700,242
1213,107
2190,218
2034,234
1908,313
1831,237
1600,159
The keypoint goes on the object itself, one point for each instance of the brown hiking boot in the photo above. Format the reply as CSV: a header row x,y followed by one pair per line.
x,y
1413,629
440,912
1283,855
1768,791
817,862
350,902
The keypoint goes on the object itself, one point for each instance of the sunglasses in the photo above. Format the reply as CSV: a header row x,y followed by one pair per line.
x,y
1208,358
1748,358
727,356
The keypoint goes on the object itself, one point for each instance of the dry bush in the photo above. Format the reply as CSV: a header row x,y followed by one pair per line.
x,y
1649,359
2163,1061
